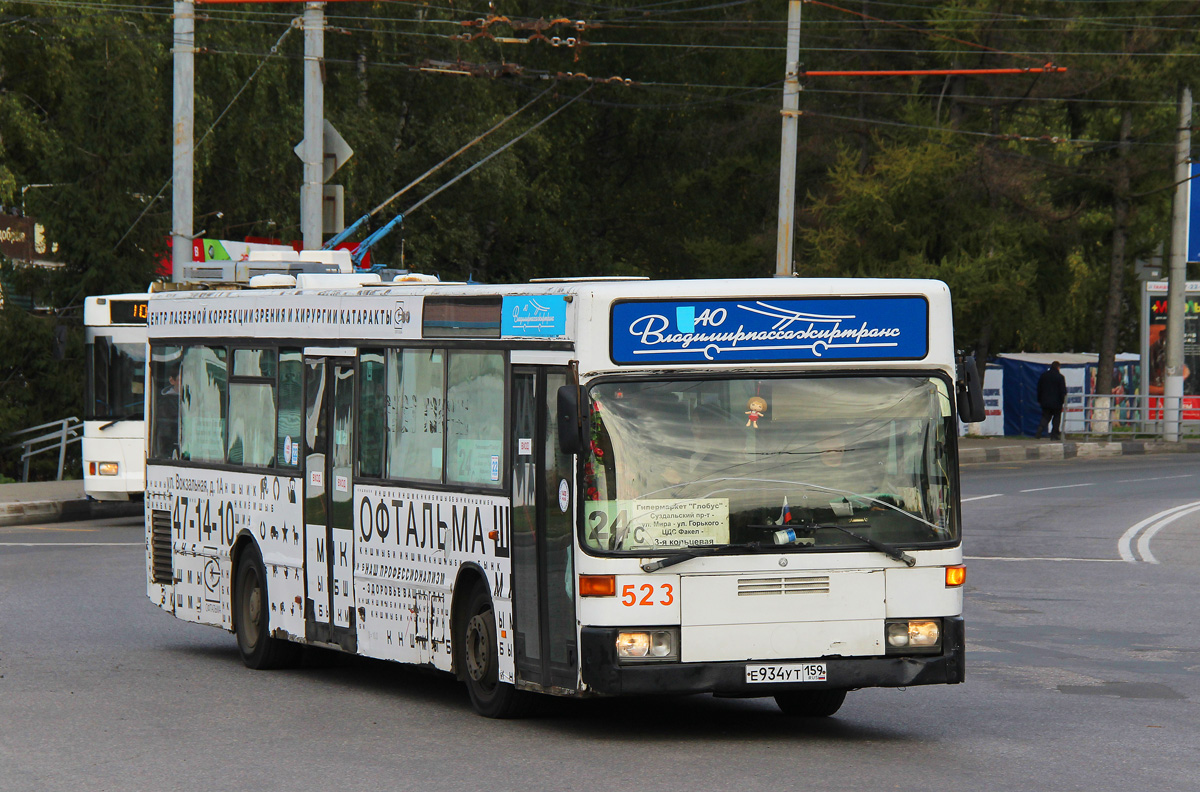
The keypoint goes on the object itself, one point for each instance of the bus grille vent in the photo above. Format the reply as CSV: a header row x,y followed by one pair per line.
x,y
755,587
160,546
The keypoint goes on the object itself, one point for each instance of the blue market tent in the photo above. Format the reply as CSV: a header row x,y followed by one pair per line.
x,y
1022,414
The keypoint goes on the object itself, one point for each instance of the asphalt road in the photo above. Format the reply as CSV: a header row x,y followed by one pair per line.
x,y
1083,674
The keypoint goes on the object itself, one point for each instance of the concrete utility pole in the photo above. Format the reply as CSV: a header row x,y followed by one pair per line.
x,y
183,57
314,118
1177,279
787,153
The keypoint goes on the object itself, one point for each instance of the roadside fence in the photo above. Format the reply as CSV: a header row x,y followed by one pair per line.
x,y
47,437
1130,416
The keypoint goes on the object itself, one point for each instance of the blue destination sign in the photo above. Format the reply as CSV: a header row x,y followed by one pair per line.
x,y
695,331
541,316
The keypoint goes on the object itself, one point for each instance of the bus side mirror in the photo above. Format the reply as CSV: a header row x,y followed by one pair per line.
x,y
570,421
970,392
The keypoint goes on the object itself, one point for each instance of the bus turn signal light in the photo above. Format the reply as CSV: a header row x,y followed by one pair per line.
x,y
956,575
597,585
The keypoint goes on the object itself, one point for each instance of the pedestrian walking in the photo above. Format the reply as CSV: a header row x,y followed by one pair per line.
x,y
1051,396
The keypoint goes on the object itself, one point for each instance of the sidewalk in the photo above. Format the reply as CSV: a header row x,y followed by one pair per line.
x,y
974,450
56,501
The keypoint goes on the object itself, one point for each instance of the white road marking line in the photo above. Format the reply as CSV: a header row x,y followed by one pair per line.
x,y
1031,558
1143,544
982,497
1062,486
1156,478
1125,543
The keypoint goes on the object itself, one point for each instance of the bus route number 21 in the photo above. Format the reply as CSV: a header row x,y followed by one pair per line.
x,y
647,594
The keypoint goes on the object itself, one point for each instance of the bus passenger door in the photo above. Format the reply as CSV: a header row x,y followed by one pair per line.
x,y
543,534
328,509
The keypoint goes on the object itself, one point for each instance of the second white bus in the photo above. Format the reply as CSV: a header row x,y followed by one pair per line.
x,y
114,435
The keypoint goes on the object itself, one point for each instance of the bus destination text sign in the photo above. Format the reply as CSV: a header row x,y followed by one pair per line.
x,y
763,330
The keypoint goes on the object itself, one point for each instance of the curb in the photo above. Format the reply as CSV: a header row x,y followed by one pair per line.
x,y
28,512
1091,450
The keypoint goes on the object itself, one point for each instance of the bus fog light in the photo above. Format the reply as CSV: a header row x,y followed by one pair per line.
x,y
897,634
108,468
648,645
662,644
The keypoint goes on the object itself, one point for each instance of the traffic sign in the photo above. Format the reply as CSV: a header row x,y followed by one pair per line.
x,y
337,151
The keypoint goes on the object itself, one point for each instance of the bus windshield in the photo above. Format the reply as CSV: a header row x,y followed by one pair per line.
x,y
115,380
806,463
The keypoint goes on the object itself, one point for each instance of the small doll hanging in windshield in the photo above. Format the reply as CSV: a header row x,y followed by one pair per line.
x,y
758,406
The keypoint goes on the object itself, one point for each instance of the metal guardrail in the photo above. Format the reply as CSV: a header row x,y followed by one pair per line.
x,y
1130,416
55,434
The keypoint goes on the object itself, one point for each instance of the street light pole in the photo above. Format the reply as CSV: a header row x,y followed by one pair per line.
x,y
787,153
183,57
1177,282
26,187
314,123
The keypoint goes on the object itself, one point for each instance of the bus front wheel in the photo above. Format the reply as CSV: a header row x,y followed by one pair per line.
x,y
251,608
810,704
479,653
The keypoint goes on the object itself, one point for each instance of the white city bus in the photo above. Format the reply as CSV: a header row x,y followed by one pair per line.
x,y
114,436
573,487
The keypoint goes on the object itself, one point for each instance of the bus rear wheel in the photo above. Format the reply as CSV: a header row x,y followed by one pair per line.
x,y
479,653
810,704
251,606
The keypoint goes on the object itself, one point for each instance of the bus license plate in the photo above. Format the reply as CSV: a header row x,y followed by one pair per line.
x,y
790,672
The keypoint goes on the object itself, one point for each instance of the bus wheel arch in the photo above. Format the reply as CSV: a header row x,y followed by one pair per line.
x,y
250,605
470,576
476,654
241,542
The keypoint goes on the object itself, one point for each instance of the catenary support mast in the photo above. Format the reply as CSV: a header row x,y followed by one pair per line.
x,y
183,57
1177,283
314,123
787,154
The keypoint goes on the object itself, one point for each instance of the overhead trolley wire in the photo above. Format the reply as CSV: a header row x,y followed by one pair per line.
x,y
453,156
502,149
930,33
386,228
207,132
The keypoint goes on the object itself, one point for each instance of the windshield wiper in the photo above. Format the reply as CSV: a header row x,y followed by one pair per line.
x,y
882,547
695,551
120,418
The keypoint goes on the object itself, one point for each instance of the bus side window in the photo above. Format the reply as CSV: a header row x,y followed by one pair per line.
x,y
416,385
202,404
251,424
372,413
475,418
291,406
164,401
252,409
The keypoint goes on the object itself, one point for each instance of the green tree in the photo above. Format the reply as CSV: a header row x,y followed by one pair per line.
x,y
81,93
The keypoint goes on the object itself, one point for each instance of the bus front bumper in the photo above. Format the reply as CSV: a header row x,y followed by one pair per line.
x,y
604,675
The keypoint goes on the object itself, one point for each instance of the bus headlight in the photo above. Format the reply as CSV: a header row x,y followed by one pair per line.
x,y
648,645
109,468
913,635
